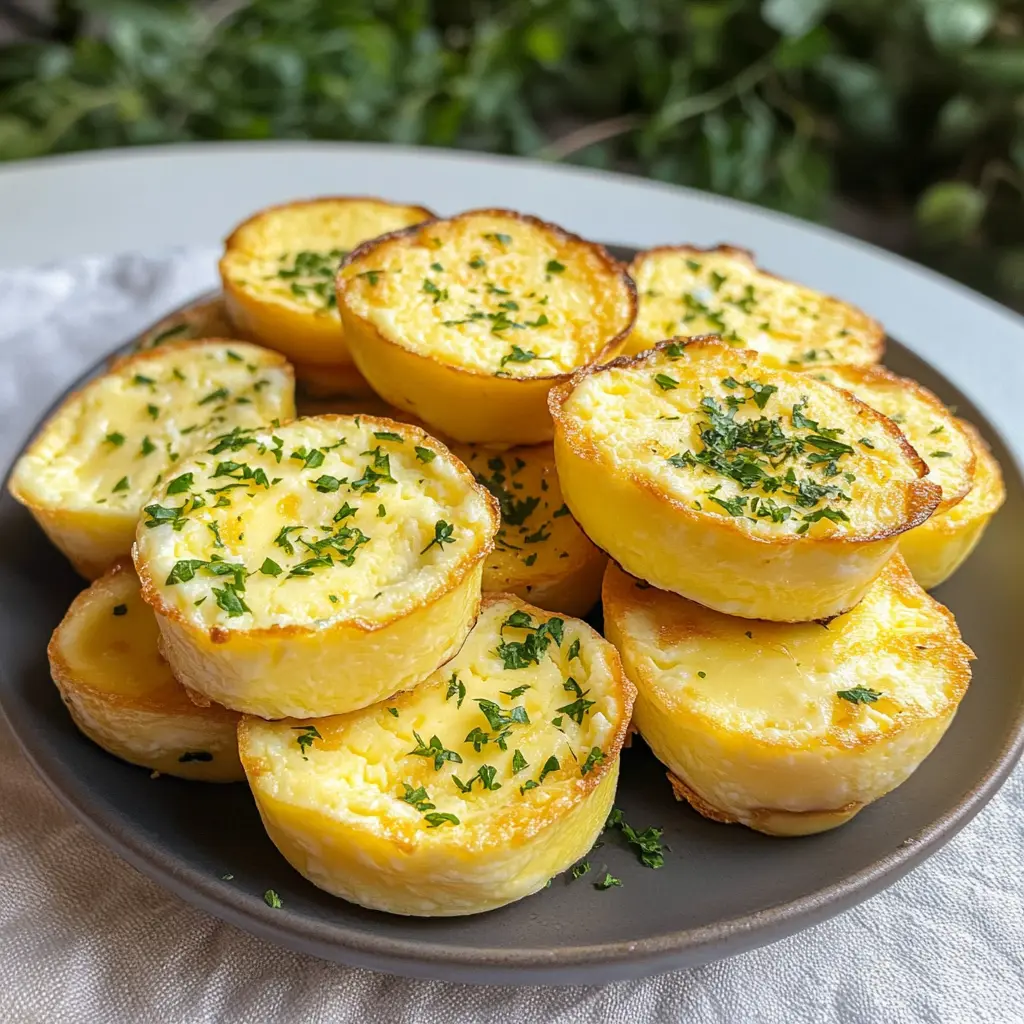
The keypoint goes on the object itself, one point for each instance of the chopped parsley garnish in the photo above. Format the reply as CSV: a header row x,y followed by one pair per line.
x,y
418,797
554,267
388,435
574,650
580,869
272,900
859,695
434,750
941,455
608,881
270,568
436,818
443,534
665,382
517,355
215,396
180,484
425,454
517,692
456,686
116,439
647,843
518,762
580,706
594,758
147,447
230,600
520,654
307,733
121,485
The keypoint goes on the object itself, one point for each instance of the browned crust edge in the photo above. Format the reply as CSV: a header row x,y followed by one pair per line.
x,y
922,495
880,374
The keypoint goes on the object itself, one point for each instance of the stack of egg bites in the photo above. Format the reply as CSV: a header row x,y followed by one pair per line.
x,y
371,611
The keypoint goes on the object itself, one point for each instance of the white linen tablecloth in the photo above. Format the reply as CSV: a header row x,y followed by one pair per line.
x,y
84,937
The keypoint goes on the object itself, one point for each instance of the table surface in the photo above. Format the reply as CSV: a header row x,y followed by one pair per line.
x,y
67,210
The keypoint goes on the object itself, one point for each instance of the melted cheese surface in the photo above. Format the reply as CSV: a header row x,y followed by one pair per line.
x,y
499,748
122,435
687,292
927,424
775,452
321,520
492,293
289,254
780,683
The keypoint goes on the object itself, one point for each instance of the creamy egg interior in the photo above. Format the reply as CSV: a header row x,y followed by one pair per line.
x,y
121,694
87,473
464,794
491,292
688,291
540,553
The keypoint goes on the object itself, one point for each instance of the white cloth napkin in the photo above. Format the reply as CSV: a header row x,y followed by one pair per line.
x,y
84,937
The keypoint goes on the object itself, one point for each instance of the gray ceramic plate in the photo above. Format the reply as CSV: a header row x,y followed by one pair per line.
x,y
723,889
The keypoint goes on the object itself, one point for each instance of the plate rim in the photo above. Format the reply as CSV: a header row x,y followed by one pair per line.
x,y
562,966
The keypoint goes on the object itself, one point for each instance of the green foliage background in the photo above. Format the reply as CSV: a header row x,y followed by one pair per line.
x,y
900,119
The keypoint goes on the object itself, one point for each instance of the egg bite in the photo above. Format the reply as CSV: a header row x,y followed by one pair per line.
x,y
314,568
938,437
467,322
789,728
540,553
206,318
121,694
89,470
462,795
684,290
759,492
937,548
278,275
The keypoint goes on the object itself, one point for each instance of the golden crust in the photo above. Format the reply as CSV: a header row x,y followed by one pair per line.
x,y
382,852
833,333
921,416
748,717
292,308
473,403
94,533
123,696
388,642
611,482
937,548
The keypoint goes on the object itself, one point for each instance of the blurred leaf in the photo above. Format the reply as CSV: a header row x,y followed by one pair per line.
x,y
794,17
1000,67
949,211
959,120
867,104
545,42
802,50
954,24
